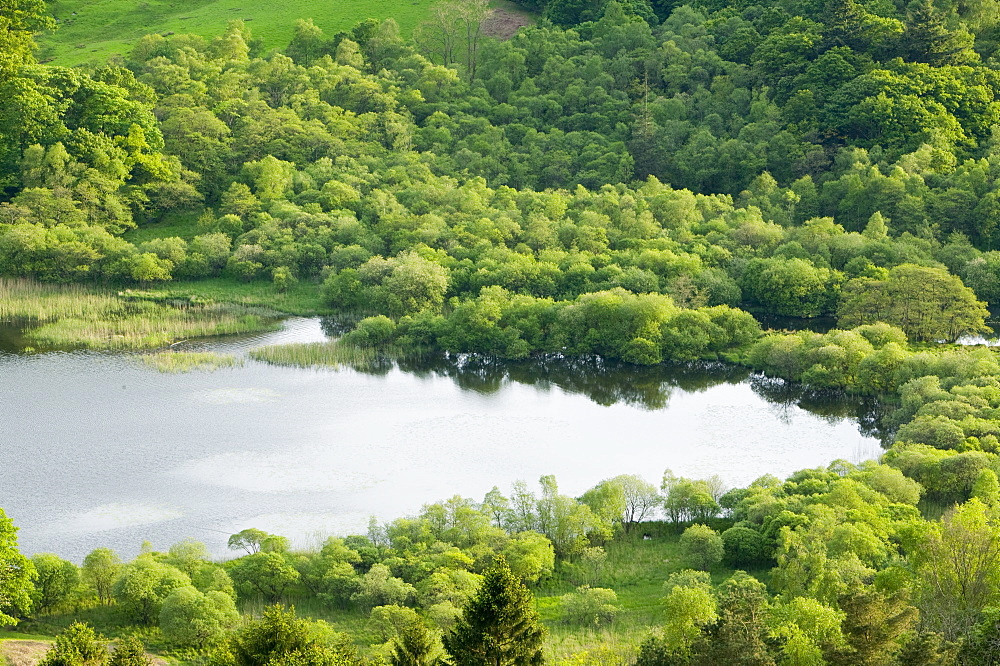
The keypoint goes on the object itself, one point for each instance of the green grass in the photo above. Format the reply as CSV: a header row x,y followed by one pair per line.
x,y
301,298
181,224
331,354
174,362
94,30
73,316
9,635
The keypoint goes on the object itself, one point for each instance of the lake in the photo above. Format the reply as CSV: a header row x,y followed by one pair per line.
x,y
97,450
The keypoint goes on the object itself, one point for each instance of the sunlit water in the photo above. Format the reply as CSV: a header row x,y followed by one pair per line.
x,y
98,450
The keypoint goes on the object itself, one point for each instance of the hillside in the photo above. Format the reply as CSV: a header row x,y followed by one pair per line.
x,y
94,30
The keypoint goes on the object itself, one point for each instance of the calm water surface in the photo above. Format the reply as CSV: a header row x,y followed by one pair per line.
x,y
98,450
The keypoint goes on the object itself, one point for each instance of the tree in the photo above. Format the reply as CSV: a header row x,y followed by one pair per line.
x,y
873,624
530,556
701,546
57,580
589,606
143,586
192,619
453,32
19,21
129,652
499,626
17,575
414,646
927,303
740,636
101,568
378,587
744,546
279,638
959,568
78,645
267,574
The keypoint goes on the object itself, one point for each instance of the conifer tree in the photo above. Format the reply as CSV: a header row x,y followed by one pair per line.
x,y
499,625
414,647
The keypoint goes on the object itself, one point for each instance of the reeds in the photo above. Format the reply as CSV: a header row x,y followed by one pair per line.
x,y
332,354
28,301
175,362
73,316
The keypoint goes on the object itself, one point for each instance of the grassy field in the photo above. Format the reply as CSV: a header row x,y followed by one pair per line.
x,y
93,30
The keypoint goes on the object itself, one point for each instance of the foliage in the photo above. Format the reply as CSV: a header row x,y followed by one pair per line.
x,y
78,645
498,625
702,547
143,586
17,575
57,580
191,618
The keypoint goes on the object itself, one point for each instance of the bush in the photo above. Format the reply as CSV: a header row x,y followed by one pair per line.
x,y
701,547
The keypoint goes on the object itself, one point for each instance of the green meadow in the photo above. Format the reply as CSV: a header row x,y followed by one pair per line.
x,y
94,30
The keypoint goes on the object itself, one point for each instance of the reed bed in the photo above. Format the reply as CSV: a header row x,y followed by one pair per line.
x,y
332,354
25,300
176,362
73,316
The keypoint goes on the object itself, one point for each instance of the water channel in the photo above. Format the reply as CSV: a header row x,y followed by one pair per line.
x,y
96,449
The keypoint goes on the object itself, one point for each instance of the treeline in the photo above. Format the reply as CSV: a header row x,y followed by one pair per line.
x,y
846,547
353,154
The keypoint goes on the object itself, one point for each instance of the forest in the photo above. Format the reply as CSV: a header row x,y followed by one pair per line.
x,y
633,180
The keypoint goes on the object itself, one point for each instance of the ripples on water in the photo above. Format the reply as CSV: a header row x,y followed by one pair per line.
x,y
98,450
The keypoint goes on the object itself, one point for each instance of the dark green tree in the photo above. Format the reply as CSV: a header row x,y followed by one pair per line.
x,y
415,646
499,626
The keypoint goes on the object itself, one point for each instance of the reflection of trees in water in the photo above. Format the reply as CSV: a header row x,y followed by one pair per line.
x,y
648,387
870,414
604,382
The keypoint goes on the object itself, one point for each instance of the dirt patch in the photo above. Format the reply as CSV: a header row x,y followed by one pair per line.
x,y
503,23
16,652
23,653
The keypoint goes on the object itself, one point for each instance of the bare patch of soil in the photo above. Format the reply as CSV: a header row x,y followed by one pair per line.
x,y
23,653
16,652
503,23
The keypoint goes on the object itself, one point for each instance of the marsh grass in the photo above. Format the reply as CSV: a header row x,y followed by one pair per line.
x,y
27,301
332,354
175,362
74,316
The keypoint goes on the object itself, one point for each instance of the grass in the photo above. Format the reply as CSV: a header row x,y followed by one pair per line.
x,y
332,354
174,362
74,316
181,224
94,30
18,636
301,298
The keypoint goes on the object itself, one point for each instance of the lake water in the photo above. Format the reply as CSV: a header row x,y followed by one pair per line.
x,y
98,450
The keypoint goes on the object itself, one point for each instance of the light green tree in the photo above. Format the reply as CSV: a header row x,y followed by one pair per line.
x,y
701,546
17,575
56,582
101,568
190,618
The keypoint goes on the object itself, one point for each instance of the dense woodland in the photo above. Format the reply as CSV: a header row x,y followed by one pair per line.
x,y
623,180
